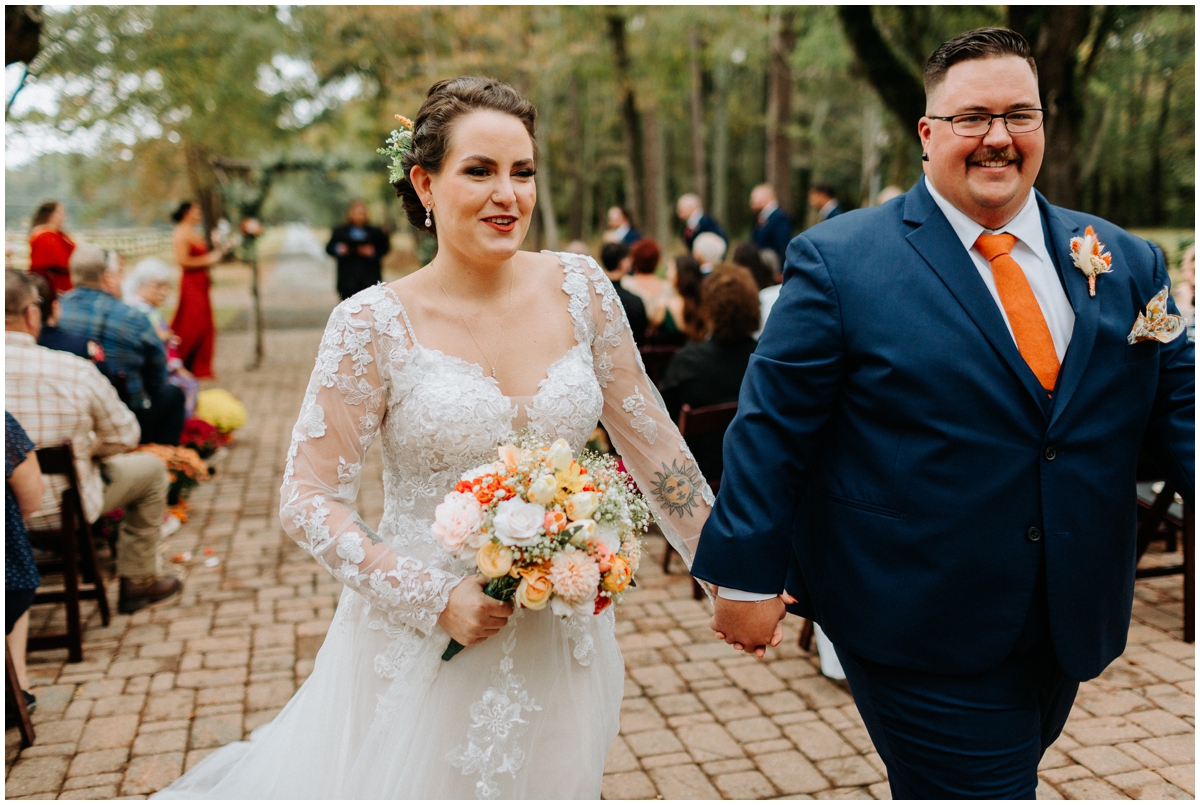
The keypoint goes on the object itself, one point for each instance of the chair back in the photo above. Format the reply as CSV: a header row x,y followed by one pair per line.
x,y
60,460
656,359
711,419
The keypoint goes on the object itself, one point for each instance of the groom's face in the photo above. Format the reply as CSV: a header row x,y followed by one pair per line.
x,y
987,177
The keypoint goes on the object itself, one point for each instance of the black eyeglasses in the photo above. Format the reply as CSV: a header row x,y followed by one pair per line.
x,y
978,124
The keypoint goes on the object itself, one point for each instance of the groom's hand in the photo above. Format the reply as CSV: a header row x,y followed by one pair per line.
x,y
749,626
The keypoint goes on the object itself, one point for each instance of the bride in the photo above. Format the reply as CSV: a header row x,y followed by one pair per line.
x,y
439,366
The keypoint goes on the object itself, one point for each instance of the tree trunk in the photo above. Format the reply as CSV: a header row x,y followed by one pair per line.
x,y
657,222
720,143
204,186
542,179
699,173
900,90
1154,183
1055,34
779,104
575,173
631,124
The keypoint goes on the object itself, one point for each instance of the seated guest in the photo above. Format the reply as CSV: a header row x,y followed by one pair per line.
x,y
23,488
58,397
616,261
131,345
54,337
710,372
746,254
709,249
146,289
681,313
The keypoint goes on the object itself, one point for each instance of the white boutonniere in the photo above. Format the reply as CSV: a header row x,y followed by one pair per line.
x,y
1157,324
1089,256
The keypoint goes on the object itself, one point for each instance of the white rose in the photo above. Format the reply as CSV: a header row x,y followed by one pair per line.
x,y
543,490
456,519
560,455
517,522
565,609
608,536
581,505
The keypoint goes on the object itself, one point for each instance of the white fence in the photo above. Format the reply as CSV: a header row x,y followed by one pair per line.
x,y
131,243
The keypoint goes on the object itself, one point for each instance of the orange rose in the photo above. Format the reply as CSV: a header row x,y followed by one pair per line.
x,y
555,522
619,577
494,560
534,590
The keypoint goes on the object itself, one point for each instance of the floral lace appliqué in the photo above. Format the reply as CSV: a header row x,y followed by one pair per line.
x,y
585,646
636,404
497,724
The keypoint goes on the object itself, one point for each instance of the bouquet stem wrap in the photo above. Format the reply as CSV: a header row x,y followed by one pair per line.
x,y
502,589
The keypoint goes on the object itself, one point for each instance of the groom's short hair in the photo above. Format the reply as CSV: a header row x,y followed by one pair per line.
x,y
982,43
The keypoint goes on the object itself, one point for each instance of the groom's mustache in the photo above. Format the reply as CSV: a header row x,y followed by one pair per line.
x,y
992,155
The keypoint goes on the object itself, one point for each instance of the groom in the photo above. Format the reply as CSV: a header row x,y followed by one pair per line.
x,y
936,443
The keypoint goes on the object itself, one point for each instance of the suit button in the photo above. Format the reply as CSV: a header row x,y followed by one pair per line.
x,y
1050,454
1033,534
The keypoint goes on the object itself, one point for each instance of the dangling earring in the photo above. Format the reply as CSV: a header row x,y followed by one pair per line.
x,y
428,216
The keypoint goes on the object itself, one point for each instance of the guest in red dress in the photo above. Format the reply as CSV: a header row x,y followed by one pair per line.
x,y
193,322
50,248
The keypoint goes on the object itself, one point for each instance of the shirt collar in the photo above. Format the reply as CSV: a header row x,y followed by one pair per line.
x,y
766,212
1026,225
621,231
694,219
827,207
17,337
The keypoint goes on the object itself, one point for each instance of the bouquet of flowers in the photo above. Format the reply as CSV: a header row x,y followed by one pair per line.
x,y
184,468
201,437
546,527
220,409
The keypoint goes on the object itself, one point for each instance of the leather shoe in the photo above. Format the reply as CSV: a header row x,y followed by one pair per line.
x,y
138,593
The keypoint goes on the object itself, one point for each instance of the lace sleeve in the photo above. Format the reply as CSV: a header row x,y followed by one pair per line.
x,y
640,427
342,411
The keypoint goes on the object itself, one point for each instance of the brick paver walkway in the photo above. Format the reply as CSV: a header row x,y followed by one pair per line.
x,y
160,689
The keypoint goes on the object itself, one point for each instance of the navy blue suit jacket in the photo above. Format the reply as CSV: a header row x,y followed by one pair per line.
x,y
705,224
892,451
774,234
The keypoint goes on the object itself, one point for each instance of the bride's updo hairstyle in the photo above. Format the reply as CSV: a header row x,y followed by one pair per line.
x,y
448,100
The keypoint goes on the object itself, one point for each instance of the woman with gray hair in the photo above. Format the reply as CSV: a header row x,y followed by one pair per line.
x,y
146,288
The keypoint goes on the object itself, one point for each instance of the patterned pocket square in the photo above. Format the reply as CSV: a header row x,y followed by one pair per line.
x,y
1156,324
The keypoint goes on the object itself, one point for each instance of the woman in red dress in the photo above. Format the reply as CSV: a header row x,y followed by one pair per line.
x,y
193,322
50,248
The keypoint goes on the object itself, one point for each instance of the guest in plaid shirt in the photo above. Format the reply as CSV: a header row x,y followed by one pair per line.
x,y
131,345
59,397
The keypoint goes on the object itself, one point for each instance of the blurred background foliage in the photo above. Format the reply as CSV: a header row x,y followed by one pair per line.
x,y
636,105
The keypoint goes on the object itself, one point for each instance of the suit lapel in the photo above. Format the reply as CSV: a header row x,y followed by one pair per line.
x,y
1059,230
936,242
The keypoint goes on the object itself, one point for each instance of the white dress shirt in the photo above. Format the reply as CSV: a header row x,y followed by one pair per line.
x,y
1031,254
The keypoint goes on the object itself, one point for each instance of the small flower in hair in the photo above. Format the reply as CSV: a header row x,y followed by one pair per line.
x,y
399,142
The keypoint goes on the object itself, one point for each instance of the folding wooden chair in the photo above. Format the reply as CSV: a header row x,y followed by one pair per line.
x,y
1161,517
656,358
14,699
73,556
701,422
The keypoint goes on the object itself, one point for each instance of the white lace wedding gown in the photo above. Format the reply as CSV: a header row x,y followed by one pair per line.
x,y
529,713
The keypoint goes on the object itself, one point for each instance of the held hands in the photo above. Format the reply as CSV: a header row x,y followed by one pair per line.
x,y
471,616
750,626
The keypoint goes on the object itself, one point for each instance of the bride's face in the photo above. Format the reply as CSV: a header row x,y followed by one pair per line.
x,y
483,197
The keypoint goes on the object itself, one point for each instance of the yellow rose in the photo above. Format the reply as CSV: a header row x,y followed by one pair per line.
x,y
534,590
619,577
581,505
494,560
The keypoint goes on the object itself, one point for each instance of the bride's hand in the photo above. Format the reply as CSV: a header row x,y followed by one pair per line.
x,y
471,616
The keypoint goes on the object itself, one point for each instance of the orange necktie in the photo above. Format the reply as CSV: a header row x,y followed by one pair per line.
x,y
1024,313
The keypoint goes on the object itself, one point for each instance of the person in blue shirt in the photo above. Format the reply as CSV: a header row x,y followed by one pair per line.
x,y
23,487
132,348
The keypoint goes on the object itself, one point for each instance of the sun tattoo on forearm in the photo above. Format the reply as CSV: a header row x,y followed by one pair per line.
x,y
675,488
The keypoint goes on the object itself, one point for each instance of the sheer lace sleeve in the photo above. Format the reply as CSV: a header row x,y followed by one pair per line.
x,y
342,411
640,427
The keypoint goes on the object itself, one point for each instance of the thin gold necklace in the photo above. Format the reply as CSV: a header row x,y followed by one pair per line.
x,y
503,324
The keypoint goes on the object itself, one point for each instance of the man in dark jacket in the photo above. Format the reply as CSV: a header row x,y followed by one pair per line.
x,y
773,227
615,259
359,249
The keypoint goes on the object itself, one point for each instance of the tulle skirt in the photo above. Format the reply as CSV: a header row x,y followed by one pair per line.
x,y
528,714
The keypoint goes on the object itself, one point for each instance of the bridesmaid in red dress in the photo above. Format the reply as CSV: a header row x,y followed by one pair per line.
x,y
193,322
50,248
